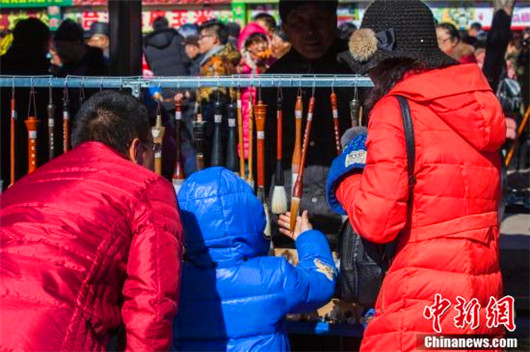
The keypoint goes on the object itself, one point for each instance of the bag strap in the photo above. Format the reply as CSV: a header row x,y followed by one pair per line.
x,y
408,128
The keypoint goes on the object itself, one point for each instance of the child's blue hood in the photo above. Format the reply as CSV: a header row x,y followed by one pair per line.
x,y
223,220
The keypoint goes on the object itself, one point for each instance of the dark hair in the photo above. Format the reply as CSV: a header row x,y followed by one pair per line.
x,y
30,35
390,72
254,38
476,25
112,118
265,17
69,31
160,22
218,28
191,40
233,29
451,29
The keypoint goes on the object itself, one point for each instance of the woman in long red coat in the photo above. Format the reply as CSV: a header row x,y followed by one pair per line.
x,y
447,234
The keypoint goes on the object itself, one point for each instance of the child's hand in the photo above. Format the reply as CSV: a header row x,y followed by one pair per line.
x,y
302,225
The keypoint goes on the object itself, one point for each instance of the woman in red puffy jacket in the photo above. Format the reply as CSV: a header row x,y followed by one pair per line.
x,y
91,241
447,234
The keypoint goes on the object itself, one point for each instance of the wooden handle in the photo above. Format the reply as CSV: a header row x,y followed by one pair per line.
x,y
240,136
336,128
295,164
261,113
520,130
297,189
158,136
12,142
199,159
31,124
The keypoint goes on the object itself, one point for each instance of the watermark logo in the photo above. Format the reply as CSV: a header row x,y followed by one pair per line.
x,y
467,313
498,312
435,311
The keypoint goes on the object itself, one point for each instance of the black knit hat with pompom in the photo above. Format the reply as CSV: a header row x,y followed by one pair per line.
x,y
396,29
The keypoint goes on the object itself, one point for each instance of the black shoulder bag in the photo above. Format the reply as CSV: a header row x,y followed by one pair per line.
x,y
363,264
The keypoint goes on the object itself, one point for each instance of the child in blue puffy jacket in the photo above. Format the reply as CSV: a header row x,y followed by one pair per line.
x,y
234,297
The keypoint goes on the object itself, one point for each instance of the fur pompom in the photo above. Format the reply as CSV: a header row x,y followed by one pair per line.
x,y
363,44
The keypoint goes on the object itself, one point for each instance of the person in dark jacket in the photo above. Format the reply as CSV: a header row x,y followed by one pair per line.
x,y
234,297
98,36
166,56
92,240
26,56
77,58
164,50
497,42
311,28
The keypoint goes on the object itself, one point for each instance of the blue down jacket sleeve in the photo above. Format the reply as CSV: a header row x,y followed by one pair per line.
x,y
311,284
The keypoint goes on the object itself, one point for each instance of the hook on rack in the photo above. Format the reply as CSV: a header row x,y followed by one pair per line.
x,y
32,99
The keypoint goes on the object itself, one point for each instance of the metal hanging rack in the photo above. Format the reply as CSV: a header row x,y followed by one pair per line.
x,y
236,81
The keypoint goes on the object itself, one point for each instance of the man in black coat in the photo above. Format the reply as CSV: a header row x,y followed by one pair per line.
x,y
311,28
26,56
165,54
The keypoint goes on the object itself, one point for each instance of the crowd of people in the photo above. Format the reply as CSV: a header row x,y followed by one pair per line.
x,y
96,248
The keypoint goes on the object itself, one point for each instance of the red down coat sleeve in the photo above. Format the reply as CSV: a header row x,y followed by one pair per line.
x,y
376,200
153,270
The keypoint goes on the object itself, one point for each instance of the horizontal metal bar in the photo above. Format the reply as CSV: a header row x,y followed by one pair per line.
x,y
264,80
